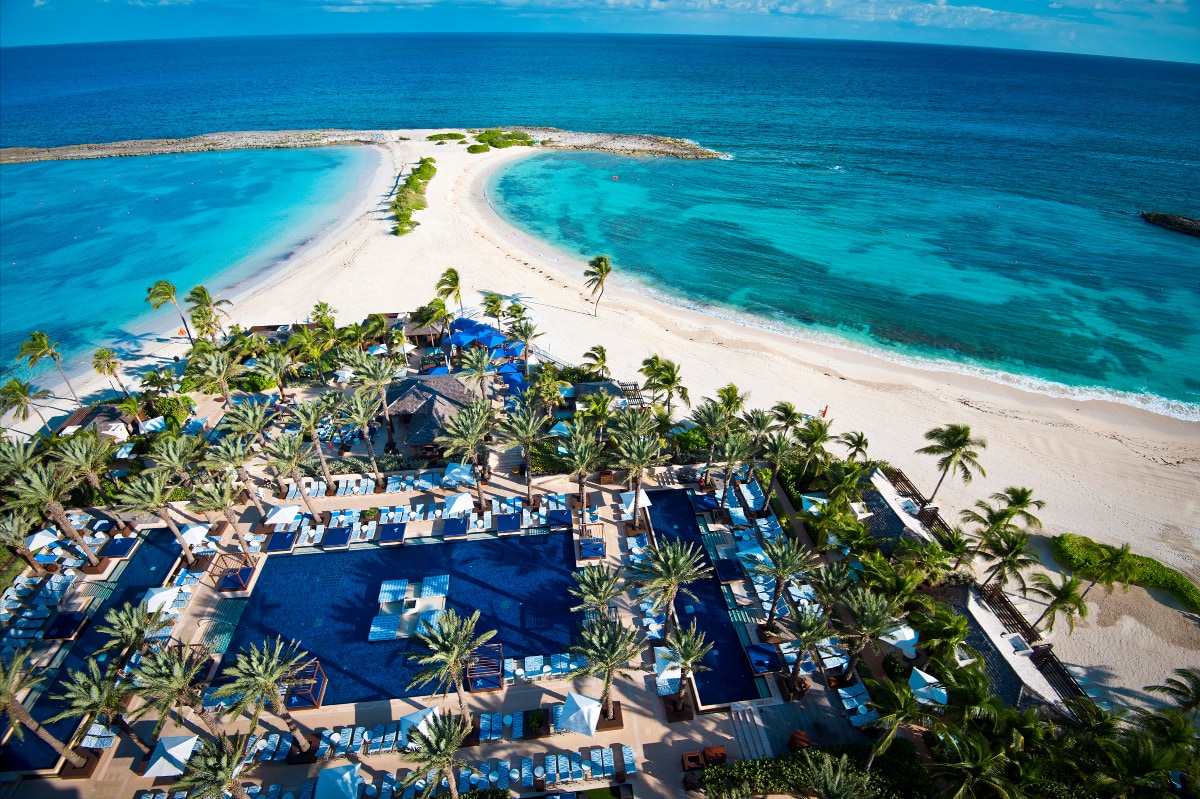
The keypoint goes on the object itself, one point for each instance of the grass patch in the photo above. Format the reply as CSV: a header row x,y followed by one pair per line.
x,y
1079,553
410,196
445,136
500,139
478,148
14,564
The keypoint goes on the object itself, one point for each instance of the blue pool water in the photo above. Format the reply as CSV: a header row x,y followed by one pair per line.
x,y
728,678
326,602
148,567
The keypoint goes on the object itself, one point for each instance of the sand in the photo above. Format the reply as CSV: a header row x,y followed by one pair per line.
x,y
1112,472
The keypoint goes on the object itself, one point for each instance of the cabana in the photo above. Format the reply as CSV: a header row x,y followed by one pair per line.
x,y
338,782
508,523
764,658
667,673
458,474
591,549
336,538
232,571
927,689
282,514
486,669
558,518
120,546
40,539
903,638
419,720
580,714
170,755
155,425
391,534
459,505
643,501
454,528
161,598
307,689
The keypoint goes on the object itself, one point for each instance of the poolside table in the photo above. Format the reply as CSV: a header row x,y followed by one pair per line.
x,y
455,528
336,538
391,534
508,523
281,542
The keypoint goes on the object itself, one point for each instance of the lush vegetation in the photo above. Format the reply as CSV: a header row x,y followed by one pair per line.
x,y
495,137
478,148
445,136
410,196
1081,555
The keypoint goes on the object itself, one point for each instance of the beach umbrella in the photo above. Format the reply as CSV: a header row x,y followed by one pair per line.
x,y
811,503
491,338
338,782
514,349
170,755
462,338
377,349
753,556
627,500
282,514
161,597
439,370
420,720
927,689
458,504
194,533
155,425
40,539
580,714
509,369
664,668
559,429
903,638
459,473
125,452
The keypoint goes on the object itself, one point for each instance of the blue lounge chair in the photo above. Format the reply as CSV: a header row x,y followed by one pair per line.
x,y
269,751
389,737
285,746
464,780
551,770
630,760
325,744
250,750
356,743
389,785
504,770
526,774
556,714
485,726
560,665
308,789
343,745
518,725
564,768
597,763
609,767
497,726
274,791
576,766
376,743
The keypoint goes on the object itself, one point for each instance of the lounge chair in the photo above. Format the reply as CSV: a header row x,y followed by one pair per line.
x,y
389,737
250,750
325,744
503,770
518,725
343,745
485,726
285,746
526,774
629,760
860,719
269,751
609,768
576,766
464,780
388,786
551,770
308,789
556,714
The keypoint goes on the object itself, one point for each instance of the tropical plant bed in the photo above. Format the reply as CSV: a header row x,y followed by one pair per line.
x,y
785,689
674,716
617,722
1079,554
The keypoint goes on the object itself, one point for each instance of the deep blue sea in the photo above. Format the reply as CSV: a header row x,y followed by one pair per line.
x,y
966,207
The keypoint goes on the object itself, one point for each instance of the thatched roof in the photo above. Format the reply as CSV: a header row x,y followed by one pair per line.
x,y
431,400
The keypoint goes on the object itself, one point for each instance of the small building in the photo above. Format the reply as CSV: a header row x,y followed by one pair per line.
x,y
106,420
424,404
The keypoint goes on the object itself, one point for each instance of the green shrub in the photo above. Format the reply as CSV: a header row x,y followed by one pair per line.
x,y
544,458
255,383
691,441
445,136
478,148
501,139
188,384
179,494
894,668
1080,554
174,409
410,196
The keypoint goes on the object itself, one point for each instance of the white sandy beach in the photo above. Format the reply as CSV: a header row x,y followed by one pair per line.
x,y
1108,471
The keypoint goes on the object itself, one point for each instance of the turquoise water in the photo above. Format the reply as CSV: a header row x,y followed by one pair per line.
x,y
1037,291
83,240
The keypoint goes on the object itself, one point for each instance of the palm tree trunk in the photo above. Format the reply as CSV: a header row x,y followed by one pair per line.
x,y
208,720
60,518
229,517
165,515
462,696
316,440
33,564
478,480
637,485
450,777
528,453
61,371
371,454
93,480
130,733
301,741
183,319
238,791
19,712
224,386
121,383
774,603
296,478
606,704
582,477
387,416
250,490
929,501
596,310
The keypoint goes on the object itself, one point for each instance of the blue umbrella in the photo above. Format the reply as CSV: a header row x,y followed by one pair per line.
x,y
462,338
509,369
491,338
439,370
514,348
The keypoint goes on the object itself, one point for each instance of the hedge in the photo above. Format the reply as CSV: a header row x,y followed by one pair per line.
x,y
1080,553
897,774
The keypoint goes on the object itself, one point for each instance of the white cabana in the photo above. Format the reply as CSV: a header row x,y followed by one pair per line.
x,y
170,755
377,349
194,533
343,376
115,430
40,539
338,782
559,429
903,638
155,425
459,473
124,453
927,689
753,556
664,667
458,504
627,500
282,514
580,714
811,503
418,719
161,597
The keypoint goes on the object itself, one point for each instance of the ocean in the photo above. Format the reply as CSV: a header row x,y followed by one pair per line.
x,y
960,208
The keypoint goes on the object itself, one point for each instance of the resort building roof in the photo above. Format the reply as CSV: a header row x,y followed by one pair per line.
x,y
107,420
428,402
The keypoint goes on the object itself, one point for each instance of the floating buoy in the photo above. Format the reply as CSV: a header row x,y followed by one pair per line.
x,y
615,177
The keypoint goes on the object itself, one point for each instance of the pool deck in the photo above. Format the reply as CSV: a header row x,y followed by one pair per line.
x,y
750,729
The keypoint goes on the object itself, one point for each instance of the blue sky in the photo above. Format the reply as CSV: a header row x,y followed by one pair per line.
x,y
1159,29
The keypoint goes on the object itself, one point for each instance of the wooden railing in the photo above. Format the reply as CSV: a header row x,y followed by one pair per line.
x,y
1055,672
1009,616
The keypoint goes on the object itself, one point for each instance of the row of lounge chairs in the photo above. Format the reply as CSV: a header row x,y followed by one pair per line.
x,y
589,763
541,667
315,488
274,749
355,485
857,703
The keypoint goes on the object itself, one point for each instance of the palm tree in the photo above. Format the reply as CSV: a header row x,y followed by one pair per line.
x,y
971,767
275,366
41,487
637,454
434,313
19,398
828,778
898,708
310,417
1012,553
106,362
360,410
39,346
323,314
524,331
162,292
202,304
759,424
606,646
309,347
232,453
493,306
595,360
436,746
168,680
943,630
1139,767
868,616
89,693
547,386
284,455
16,458
1114,565
1064,599
786,562
596,586
842,481
597,411
956,452
86,455
524,427
148,493
856,444
465,433
213,769
214,371
806,627
449,287
376,374
1017,503
779,449
788,417
712,422
220,496
663,377
128,627
735,448
14,527
686,648
990,521
813,437
260,678
666,572
16,680
249,421
446,650
599,268
174,457
160,381
1183,689
956,543
478,366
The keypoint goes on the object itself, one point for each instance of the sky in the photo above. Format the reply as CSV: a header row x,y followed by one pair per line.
x,y
1156,29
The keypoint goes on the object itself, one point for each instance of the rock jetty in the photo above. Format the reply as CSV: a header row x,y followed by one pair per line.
x,y
1180,224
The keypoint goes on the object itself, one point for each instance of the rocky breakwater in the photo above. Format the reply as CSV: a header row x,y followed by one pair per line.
x,y
1180,224
619,143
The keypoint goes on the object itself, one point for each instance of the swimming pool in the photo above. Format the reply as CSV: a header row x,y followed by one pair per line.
x,y
728,678
326,602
